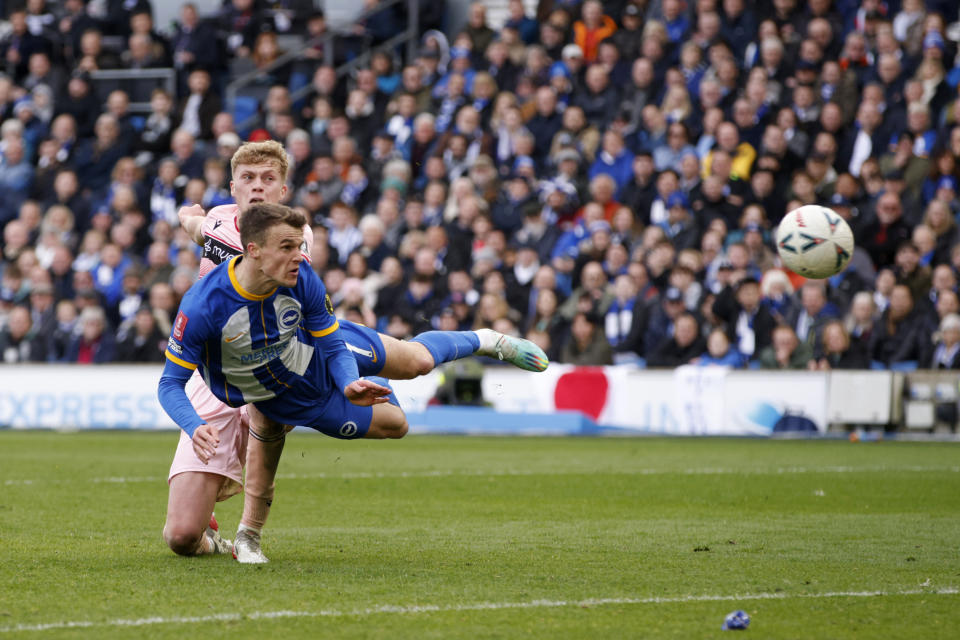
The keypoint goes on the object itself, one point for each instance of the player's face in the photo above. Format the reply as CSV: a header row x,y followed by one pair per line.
x,y
254,183
280,256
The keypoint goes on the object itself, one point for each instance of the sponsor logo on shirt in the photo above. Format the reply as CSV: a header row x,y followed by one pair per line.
x,y
173,346
236,337
348,429
217,252
266,354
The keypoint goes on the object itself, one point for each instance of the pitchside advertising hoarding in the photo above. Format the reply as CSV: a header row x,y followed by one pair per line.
x,y
684,401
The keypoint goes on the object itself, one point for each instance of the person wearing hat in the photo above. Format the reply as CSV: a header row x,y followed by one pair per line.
x,y
629,37
515,199
572,58
680,226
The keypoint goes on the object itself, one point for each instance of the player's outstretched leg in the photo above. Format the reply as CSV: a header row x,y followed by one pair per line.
x,y
405,360
264,448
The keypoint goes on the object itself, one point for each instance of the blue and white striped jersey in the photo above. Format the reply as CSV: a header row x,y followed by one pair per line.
x,y
281,350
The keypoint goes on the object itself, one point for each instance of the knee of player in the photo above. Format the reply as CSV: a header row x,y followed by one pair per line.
x,y
421,363
181,540
398,429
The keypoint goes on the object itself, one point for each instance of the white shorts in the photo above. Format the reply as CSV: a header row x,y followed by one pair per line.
x,y
231,423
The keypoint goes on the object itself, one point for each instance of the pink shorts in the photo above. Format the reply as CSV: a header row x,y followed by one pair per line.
x,y
232,425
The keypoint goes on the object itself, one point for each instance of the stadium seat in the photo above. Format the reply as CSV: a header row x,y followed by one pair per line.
x,y
904,366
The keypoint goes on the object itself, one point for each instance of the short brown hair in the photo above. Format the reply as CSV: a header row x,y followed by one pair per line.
x,y
260,217
261,153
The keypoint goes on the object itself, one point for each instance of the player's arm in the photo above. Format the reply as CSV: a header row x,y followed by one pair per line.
x,y
173,395
191,219
173,399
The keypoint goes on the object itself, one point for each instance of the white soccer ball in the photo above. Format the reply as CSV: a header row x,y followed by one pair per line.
x,y
814,241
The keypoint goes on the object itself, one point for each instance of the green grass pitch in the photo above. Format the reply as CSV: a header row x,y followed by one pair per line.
x,y
455,537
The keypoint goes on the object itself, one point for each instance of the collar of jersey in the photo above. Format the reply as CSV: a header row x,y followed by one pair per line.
x,y
231,269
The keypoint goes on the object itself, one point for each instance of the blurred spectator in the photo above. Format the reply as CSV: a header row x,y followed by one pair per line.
x,y
749,324
196,110
946,350
785,351
682,347
19,339
95,342
720,352
16,176
838,351
140,340
898,337
814,312
587,346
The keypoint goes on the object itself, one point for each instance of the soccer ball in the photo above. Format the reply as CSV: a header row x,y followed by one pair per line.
x,y
814,241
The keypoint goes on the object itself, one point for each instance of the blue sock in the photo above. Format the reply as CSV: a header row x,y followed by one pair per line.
x,y
445,346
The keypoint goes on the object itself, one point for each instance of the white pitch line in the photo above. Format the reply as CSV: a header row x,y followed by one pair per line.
x,y
478,606
362,475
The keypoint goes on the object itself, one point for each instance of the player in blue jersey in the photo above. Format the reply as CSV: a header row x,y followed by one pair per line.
x,y
261,330
197,480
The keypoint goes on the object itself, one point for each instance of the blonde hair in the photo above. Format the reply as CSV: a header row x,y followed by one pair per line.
x,y
261,153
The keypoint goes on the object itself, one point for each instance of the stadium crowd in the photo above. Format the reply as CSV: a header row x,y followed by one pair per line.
x,y
603,178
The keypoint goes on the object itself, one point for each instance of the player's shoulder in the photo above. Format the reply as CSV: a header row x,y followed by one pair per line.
x,y
222,217
224,211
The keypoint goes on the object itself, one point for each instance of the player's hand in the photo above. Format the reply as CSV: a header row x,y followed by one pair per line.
x,y
192,211
366,393
205,441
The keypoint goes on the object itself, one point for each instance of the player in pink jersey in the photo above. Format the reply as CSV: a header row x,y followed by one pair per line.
x,y
208,468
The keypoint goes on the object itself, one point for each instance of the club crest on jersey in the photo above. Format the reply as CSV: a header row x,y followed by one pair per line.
x,y
179,325
348,429
328,303
288,318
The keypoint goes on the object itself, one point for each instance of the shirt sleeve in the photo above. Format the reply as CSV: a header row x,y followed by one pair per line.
x,y
323,326
173,398
183,353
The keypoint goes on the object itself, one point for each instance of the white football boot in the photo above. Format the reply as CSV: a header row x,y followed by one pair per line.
x,y
517,351
246,548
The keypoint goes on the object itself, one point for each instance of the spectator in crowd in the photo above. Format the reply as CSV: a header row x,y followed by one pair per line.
x,y
946,350
814,312
838,351
140,340
786,351
587,344
19,340
682,347
898,338
749,324
95,342
720,352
